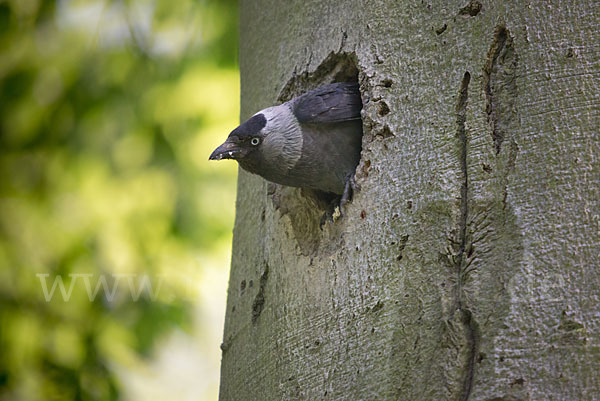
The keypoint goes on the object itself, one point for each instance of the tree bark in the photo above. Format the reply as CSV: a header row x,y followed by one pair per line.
x,y
467,265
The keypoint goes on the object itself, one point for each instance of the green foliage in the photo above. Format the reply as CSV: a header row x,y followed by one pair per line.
x,y
108,112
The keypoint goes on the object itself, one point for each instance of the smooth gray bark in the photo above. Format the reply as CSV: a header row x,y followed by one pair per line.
x,y
468,265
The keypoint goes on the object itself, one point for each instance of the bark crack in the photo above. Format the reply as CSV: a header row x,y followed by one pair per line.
x,y
499,73
471,333
469,330
259,300
461,134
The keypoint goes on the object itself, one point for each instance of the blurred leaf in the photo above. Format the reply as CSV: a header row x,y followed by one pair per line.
x,y
109,212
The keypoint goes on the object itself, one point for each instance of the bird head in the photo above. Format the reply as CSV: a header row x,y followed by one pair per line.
x,y
271,140
243,140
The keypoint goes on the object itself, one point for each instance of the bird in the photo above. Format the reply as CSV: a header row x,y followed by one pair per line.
x,y
311,141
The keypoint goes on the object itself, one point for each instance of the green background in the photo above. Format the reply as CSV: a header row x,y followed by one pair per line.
x,y
108,112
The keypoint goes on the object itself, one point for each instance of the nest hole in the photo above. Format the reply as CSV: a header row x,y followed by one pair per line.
x,y
306,207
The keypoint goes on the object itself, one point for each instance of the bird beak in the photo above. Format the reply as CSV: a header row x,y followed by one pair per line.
x,y
228,150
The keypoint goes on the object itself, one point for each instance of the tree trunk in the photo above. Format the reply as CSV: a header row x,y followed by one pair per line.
x,y
467,265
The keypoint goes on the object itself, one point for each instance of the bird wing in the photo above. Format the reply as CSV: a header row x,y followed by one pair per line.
x,y
329,103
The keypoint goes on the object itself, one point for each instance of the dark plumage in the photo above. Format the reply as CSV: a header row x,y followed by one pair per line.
x,y
312,141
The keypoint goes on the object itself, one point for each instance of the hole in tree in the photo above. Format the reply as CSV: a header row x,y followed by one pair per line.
x,y
306,207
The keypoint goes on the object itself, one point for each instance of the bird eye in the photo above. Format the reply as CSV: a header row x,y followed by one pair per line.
x,y
255,141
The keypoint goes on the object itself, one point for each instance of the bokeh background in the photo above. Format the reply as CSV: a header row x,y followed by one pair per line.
x,y
115,231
